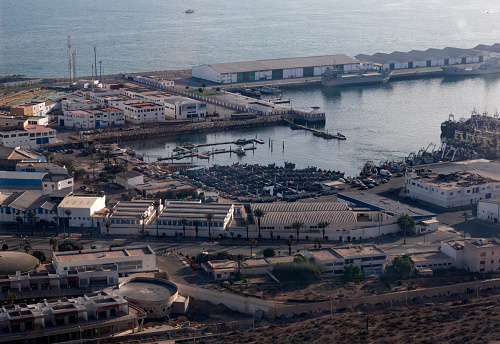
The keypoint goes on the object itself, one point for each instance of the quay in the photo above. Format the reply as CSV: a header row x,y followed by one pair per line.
x,y
316,132
207,154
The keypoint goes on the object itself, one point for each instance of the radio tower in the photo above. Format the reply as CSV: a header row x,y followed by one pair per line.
x,y
73,61
70,61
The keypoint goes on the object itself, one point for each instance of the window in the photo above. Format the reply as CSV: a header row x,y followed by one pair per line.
x,y
483,254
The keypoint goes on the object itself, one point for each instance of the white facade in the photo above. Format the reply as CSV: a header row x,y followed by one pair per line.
x,y
128,259
92,118
489,210
138,113
448,195
78,104
454,250
185,108
155,81
261,107
82,208
32,136
129,179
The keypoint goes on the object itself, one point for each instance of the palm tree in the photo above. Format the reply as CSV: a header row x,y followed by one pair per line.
x,y
93,166
465,215
239,259
259,213
107,154
271,233
184,223
247,223
68,214
19,221
323,225
107,224
31,215
232,235
27,246
209,217
297,225
53,241
406,222
56,220
318,241
81,227
92,149
44,227
196,223
289,242
10,297
251,242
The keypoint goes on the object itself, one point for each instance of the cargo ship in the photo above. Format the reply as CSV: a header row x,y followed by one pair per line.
x,y
491,66
336,78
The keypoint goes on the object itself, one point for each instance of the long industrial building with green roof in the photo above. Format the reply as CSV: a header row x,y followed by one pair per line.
x,y
274,69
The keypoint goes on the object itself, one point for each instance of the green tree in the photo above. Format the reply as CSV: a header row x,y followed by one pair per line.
x,y
10,297
318,242
259,213
247,224
91,231
406,222
53,242
27,246
31,215
352,270
465,215
239,259
5,247
252,243
400,267
196,223
69,245
232,235
184,223
269,252
323,225
297,225
289,242
39,255
156,205
209,217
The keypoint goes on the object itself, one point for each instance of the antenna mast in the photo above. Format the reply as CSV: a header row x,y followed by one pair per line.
x,y
73,56
95,62
70,62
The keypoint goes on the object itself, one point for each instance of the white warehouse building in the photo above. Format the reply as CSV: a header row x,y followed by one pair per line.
x,y
185,108
275,69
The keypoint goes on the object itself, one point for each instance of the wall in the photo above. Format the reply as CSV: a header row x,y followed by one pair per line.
x,y
487,211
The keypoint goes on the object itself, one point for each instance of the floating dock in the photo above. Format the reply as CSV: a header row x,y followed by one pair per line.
x,y
320,133
190,150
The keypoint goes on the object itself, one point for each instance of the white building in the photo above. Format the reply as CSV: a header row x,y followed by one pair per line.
x,y
82,208
21,203
154,81
78,104
489,210
37,182
370,259
475,254
452,188
92,118
275,69
31,136
264,108
138,113
128,259
185,108
29,109
129,179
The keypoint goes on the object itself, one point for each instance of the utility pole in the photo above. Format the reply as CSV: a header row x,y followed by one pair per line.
x,y
100,72
95,61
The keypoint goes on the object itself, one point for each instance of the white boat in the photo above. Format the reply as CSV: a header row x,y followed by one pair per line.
x,y
240,151
113,149
189,11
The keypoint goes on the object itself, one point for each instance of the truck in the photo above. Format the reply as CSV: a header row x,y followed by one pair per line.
x,y
385,173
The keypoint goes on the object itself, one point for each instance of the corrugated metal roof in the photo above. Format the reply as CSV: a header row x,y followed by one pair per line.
x,y
413,55
297,207
308,217
22,175
297,62
21,200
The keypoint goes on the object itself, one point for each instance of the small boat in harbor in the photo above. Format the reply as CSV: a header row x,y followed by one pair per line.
x,y
240,151
189,11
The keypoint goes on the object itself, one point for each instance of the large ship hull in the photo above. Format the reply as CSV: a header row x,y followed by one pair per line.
x,y
354,80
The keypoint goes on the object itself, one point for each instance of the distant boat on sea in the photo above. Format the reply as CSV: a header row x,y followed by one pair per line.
x,y
189,11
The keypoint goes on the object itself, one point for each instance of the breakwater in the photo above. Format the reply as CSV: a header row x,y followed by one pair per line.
x,y
173,131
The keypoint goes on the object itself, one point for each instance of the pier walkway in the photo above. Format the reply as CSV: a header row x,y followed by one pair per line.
x,y
317,132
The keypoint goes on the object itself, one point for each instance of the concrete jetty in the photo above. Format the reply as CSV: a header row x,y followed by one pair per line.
x,y
316,132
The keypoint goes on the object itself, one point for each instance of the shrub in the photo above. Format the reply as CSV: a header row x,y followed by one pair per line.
x,y
269,252
39,255
118,245
69,245
239,236
301,269
5,247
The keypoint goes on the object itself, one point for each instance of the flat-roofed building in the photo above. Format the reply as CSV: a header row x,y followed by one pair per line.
x,y
92,118
128,259
170,219
274,69
28,109
474,254
29,136
82,210
370,259
37,182
489,210
431,260
129,179
185,108
155,81
138,113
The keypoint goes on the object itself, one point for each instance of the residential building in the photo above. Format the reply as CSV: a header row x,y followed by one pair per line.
x,y
82,210
28,109
431,260
129,179
128,259
474,254
29,136
138,113
370,259
78,104
185,108
92,118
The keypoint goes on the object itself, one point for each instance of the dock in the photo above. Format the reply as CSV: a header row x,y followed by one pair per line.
x,y
190,150
316,132
205,155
